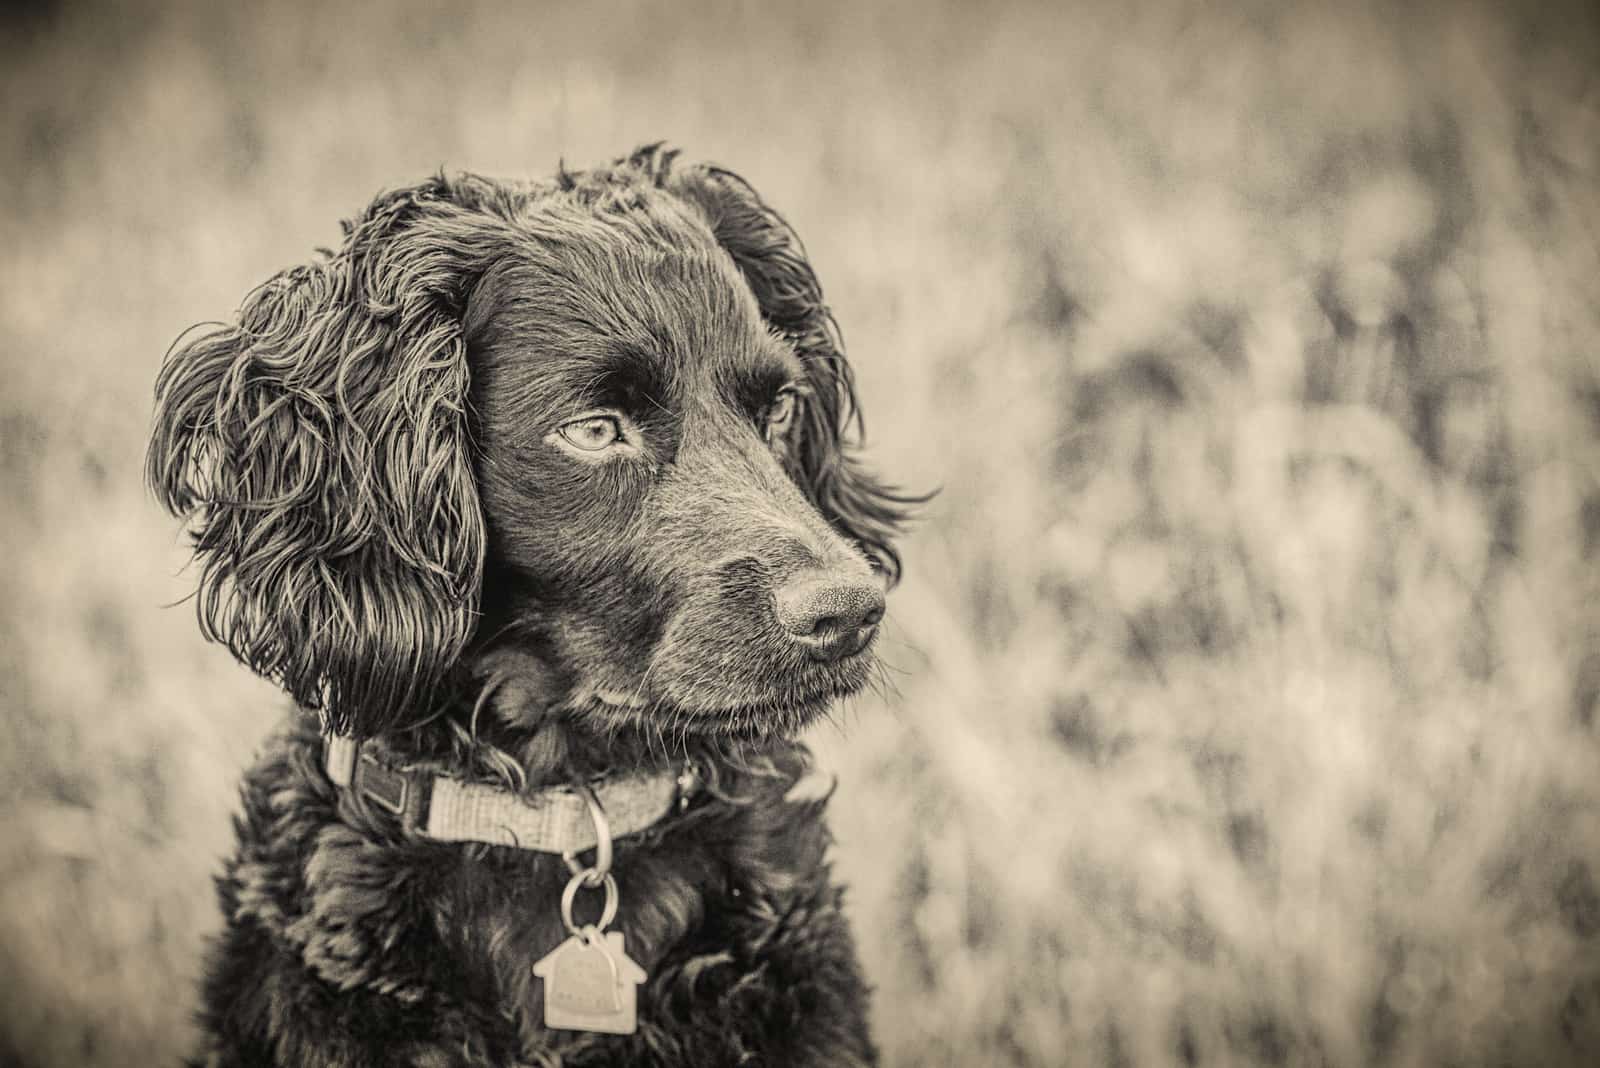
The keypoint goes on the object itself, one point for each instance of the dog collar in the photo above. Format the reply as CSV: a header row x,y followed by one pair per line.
x,y
555,820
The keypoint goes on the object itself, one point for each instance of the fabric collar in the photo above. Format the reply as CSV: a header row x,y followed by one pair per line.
x,y
554,820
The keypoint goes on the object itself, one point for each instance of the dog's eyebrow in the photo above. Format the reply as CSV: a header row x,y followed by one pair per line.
x,y
628,378
752,386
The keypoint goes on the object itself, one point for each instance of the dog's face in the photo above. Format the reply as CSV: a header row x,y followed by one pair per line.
x,y
638,428
599,423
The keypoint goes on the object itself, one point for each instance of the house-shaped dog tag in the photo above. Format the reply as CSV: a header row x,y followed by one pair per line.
x,y
590,984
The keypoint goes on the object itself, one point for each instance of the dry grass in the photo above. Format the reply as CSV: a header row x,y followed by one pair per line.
x,y
1247,664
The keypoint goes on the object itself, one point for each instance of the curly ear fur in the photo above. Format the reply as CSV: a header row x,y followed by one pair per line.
x,y
319,447
774,264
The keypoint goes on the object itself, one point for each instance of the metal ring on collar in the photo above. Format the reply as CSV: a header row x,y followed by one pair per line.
x,y
596,872
608,911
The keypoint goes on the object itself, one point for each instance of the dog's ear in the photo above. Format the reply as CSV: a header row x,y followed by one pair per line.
x,y
319,448
774,265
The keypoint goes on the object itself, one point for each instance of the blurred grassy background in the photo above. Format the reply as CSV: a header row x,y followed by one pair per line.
x,y
1247,664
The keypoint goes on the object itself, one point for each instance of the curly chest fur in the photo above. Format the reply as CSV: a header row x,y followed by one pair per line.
x,y
350,943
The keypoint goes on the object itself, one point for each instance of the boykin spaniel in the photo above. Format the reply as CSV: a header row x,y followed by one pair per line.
x,y
542,497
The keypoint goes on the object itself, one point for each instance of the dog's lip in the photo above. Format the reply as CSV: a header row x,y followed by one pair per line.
x,y
805,707
616,698
804,691
757,716
719,712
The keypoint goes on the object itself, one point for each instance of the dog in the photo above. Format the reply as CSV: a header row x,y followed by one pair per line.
x,y
542,501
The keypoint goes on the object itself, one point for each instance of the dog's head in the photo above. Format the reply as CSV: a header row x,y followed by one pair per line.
x,y
603,422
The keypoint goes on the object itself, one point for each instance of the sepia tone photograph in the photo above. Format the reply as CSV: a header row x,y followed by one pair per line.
x,y
795,534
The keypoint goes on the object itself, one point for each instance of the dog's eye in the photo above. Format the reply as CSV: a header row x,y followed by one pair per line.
x,y
781,415
593,433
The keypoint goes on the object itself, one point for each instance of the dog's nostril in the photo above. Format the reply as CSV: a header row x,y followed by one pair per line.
x,y
827,625
832,617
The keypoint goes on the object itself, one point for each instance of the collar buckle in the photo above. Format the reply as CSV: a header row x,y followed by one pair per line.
x,y
385,787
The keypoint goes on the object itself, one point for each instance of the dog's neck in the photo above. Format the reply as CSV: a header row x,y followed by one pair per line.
x,y
738,854
513,725
706,883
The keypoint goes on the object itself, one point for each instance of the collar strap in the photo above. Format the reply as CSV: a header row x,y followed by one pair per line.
x,y
555,820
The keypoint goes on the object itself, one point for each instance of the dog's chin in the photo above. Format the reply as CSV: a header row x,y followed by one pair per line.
x,y
753,722
758,716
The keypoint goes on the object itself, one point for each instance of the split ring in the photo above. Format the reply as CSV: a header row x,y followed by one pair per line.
x,y
608,911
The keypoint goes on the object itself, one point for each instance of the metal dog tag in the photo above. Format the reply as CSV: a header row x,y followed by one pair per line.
x,y
583,979
590,984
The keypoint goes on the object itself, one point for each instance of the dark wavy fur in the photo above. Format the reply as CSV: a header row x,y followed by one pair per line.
x,y
387,526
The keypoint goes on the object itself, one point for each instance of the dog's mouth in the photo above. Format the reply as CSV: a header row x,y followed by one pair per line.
x,y
748,722
746,713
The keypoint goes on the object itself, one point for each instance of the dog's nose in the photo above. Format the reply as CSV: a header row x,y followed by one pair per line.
x,y
830,617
